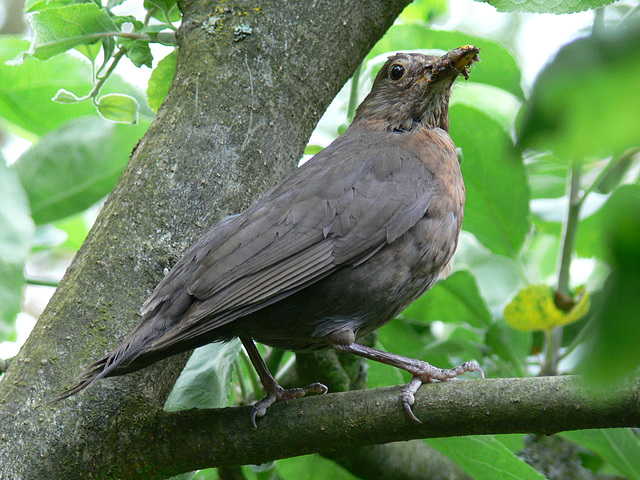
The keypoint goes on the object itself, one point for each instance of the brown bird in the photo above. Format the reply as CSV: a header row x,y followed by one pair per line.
x,y
337,249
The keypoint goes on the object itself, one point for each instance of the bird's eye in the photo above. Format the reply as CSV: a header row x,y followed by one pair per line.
x,y
396,72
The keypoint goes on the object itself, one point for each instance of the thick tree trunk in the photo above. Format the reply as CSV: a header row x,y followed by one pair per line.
x,y
235,121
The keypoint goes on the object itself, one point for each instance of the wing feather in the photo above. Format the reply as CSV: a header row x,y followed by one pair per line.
x,y
330,213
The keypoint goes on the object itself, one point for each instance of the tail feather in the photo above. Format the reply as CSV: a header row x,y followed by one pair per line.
x,y
136,351
93,372
127,357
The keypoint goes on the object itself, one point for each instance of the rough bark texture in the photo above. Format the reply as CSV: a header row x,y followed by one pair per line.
x,y
235,121
332,423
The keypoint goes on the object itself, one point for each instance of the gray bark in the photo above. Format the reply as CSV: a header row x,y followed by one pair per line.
x,y
236,120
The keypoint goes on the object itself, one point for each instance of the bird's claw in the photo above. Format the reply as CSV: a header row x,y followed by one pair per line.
x,y
408,397
278,393
427,374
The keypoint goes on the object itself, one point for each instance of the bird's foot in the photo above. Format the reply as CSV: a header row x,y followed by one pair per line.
x,y
427,373
278,393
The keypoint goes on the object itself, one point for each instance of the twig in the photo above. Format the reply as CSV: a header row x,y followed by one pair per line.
x,y
567,247
4,364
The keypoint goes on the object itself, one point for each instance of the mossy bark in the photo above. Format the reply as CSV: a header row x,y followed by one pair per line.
x,y
252,80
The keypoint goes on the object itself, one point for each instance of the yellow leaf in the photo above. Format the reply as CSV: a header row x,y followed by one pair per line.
x,y
533,308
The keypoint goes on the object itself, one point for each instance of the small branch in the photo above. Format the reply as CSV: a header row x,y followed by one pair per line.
x,y
4,364
567,247
414,460
42,282
570,228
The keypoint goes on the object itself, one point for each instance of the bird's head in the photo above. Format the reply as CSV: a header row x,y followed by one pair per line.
x,y
412,89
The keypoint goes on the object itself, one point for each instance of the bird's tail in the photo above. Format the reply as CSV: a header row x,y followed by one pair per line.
x,y
93,372
127,357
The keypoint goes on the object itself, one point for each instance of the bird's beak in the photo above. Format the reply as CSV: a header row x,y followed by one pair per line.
x,y
462,58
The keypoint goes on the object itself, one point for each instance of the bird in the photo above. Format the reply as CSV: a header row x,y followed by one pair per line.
x,y
337,249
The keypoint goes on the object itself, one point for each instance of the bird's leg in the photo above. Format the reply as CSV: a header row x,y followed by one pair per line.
x,y
275,392
422,372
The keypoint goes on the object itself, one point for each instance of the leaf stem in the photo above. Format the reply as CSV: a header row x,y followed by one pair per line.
x,y
102,79
167,19
131,35
605,171
598,22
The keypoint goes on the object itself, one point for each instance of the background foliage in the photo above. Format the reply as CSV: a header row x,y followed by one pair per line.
x,y
547,275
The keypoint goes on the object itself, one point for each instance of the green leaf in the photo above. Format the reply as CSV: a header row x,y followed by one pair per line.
x,y
612,352
313,149
458,345
453,300
618,446
160,4
312,467
37,5
499,104
547,176
90,51
16,232
57,29
485,457
547,6
120,20
64,96
498,68
381,375
404,337
580,105
138,52
497,206
160,81
424,10
26,90
75,166
591,240
510,344
513,441
205,381
540,257
76,229
533,308
118,107
498,276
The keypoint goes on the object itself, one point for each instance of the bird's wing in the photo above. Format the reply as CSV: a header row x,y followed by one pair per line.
x,y
331,213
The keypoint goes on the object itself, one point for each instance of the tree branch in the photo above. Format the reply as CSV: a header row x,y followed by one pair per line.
x,y
413,460
338,421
